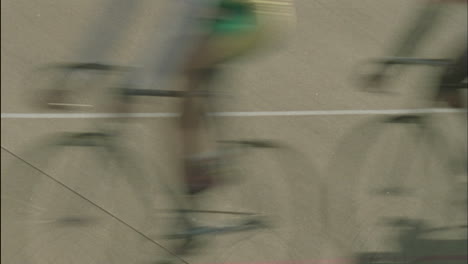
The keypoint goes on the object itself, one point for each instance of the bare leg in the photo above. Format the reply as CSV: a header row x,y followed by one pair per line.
x,y
199,148
197,139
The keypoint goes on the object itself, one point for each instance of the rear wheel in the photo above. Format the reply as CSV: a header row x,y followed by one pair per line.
x,y
76,203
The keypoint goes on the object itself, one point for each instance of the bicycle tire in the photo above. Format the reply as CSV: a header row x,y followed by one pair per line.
x,y
356,170
71,86
405,192
70,217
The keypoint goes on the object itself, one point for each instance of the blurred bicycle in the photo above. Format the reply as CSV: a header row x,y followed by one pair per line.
x,y
223,30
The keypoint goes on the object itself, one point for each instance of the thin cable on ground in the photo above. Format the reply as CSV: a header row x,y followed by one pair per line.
x,y
95,205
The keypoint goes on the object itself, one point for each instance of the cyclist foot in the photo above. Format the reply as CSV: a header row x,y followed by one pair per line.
x,y
202,172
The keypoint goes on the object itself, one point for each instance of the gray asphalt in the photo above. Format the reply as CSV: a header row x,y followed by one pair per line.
x,y
317,189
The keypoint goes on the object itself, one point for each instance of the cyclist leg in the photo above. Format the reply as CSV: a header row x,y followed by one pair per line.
x,y
200,156
244,28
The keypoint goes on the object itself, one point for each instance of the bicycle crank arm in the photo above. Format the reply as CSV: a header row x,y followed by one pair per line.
x,y
205,230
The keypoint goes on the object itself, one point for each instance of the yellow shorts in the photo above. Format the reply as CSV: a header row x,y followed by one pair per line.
x,y
274,23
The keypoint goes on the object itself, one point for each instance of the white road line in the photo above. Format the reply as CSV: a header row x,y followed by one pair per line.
x,y
232,114
85,115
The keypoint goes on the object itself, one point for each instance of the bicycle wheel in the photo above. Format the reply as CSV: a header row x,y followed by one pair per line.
x,y
446,176
376,173
75,203
398,166
71,86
